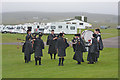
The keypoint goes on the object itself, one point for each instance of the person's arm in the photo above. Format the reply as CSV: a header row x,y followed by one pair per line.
x,y
90,42
42,44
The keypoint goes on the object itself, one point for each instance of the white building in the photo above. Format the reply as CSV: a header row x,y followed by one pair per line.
x,y
79,24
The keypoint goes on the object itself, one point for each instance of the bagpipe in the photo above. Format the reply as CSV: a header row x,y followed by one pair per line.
x,y
22,41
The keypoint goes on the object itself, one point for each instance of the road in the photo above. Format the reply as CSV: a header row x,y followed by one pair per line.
x,y
109,42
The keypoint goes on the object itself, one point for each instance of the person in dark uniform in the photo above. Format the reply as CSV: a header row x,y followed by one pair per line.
x,y
100,43
51,41
27,49
79,49
29,35
74,41
37,47
61,48
92,50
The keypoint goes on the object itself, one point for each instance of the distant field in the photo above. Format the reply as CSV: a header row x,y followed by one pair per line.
x,y
14,67
106,33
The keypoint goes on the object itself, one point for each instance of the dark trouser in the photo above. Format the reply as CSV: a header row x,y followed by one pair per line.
x,y
92,58
37,59
30,57
27,58
97,55
61,59
54,56
82,60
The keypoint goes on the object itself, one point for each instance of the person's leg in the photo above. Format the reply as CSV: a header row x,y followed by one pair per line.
x,y
55,56
25,59
30,57
59,61
82,57
36,60
39,60
51,56
79,62
62,61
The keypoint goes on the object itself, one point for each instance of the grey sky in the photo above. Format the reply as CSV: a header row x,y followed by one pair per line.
x,y
91,7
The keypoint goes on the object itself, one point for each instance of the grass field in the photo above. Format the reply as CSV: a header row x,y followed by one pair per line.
x,y
13,65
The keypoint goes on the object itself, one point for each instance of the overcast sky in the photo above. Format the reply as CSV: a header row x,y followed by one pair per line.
x,y
91,7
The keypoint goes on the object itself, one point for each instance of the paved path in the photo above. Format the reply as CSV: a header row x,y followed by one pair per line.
x,y
112,42
109,42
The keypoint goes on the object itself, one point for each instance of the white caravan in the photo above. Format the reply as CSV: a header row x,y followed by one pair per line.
x,y
7,29
19,29
1,27
60,27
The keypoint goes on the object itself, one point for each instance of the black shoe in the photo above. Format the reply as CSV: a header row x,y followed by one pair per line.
x,y
39,63
79,63
90,62
82,60
58,64
62,64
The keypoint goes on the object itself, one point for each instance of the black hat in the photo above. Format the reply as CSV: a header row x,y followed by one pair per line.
x,y
52,30
77,34
97,30
61,34
28,30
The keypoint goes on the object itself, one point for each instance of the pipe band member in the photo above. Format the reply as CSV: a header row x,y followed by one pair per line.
x,y
38,46
29,36
92,50
61,48
51,41
79,49
100,43
28,50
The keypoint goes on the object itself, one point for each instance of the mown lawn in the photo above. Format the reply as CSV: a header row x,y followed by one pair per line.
x,y
14,67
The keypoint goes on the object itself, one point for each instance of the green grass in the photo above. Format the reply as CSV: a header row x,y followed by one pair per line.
x,y
14,67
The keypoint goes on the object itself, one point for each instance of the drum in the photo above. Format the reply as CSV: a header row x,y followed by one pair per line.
x,y
87,35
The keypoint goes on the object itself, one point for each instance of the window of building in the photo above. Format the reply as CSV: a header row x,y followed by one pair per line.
x,y
53,27
68,23
59,26
67,26
73,23
72,27
81,23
